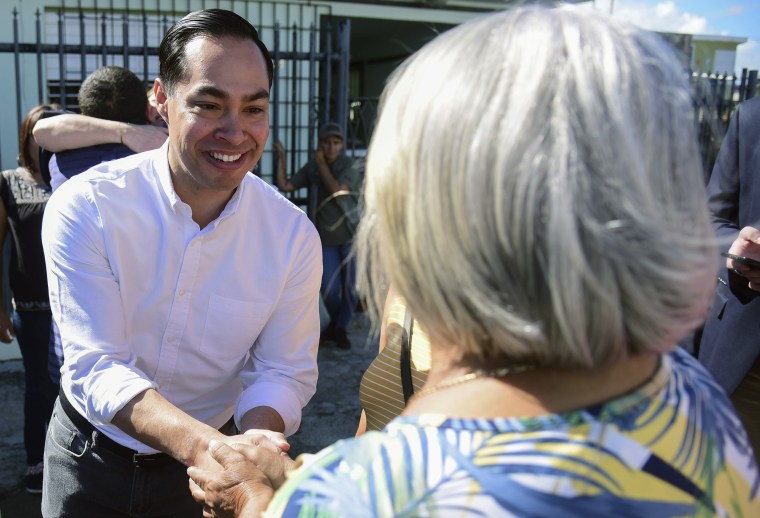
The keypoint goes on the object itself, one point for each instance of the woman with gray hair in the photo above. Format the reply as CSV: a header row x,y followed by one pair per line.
x,y
534,193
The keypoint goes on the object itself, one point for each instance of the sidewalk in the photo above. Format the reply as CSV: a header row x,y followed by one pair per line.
x,y
332,414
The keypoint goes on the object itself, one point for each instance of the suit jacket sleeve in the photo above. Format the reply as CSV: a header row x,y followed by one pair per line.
x,y
734,187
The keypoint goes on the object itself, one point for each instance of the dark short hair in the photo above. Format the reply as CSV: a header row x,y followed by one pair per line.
x,y
113,93
211,23
25,158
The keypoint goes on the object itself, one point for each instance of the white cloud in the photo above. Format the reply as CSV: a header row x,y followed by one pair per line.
x,y
668,16
748,56
664,16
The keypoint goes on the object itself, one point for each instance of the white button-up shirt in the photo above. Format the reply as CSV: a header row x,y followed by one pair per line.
x,y
217,320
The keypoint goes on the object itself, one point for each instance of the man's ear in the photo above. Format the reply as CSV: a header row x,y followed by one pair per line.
x,y
161,99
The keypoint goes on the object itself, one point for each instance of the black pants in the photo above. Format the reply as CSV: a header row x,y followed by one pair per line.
x,y
85,475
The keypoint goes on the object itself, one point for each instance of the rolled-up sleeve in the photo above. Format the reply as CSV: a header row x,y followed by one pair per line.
x,y
282,370
99,370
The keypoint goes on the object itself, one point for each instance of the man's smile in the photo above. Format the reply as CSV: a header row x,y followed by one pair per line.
x,y
224,157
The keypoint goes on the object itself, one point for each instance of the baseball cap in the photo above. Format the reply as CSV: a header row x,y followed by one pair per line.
x,y
331,129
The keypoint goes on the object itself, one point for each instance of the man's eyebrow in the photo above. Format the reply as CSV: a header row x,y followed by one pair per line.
x,y
213,91
261,94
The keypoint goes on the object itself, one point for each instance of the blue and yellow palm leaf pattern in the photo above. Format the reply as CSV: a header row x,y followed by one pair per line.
x,y
674,447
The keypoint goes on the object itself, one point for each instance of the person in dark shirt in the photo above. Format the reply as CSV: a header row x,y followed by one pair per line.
x,y
110,93
338,180
23,196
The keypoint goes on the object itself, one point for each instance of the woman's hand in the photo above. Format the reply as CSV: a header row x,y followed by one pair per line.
x,y
246,483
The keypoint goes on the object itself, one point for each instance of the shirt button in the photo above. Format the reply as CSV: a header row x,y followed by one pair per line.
x,y
181,292
170,340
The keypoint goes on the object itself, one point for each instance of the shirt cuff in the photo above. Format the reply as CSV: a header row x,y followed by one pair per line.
x,y
111,398
285,400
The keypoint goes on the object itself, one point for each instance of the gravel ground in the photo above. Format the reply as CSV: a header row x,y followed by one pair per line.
x,y
332,414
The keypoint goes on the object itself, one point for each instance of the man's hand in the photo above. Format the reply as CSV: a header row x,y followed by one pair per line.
x,y
144,137
246,484
273,442
746,244
267,439
151,419
320,157
6,328
275,465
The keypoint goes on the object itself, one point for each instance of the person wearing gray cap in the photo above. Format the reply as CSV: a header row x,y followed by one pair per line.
x,y
338,180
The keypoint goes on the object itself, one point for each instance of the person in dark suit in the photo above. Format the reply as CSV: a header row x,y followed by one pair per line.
x,y
730,343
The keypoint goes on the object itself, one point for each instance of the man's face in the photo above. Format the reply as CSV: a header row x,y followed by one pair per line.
x,y
331,147
218,116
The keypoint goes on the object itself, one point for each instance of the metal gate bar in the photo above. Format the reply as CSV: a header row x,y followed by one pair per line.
x,y
90,36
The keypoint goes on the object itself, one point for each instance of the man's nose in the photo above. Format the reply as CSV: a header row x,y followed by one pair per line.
x,y
231,129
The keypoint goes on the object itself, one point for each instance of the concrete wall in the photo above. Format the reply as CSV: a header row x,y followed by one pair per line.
x,y
714,56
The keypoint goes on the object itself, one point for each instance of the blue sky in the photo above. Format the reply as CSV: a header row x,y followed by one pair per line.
x,y
739,18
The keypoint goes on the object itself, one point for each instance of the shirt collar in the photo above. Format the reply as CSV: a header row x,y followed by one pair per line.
x,y
232,205
161,163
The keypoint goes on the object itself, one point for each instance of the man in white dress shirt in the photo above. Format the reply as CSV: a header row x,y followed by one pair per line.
x,y
185,288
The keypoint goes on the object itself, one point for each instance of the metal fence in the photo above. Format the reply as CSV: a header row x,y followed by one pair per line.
x,y
309,48
715,98
311,52
362,114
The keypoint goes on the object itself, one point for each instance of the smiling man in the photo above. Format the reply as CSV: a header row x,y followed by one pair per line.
x,y
185,288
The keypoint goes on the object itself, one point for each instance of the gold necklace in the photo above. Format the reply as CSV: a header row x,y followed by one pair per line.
x,y
473,375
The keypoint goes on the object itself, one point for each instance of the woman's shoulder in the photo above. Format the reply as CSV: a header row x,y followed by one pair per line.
x,y
5,175
400,315
397,310
331,481
432,461
10,173
18,184
366,472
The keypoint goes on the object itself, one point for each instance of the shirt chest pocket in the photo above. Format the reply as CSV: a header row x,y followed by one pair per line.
x,y
232,327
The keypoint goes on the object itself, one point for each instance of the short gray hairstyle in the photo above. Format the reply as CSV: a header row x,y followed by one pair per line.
x,y
534,190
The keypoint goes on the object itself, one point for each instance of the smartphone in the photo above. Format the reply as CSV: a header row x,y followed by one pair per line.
x,y
752,263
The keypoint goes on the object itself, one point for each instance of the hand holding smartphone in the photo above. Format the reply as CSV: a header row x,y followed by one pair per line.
x,y
746,261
